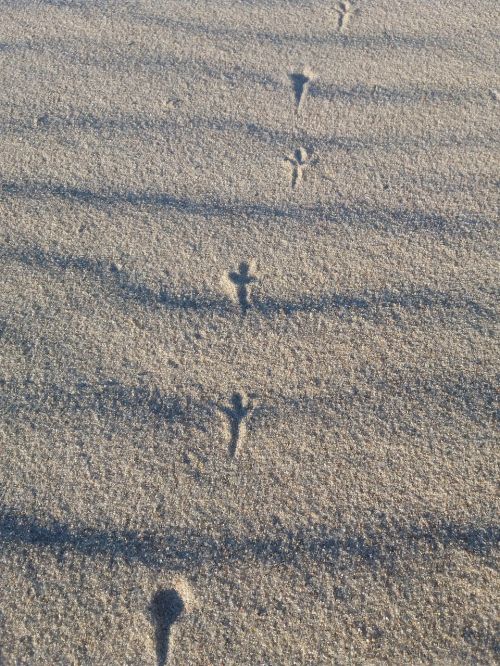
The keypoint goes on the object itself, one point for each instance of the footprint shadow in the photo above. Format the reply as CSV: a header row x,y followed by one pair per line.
x,y
166,607
299,83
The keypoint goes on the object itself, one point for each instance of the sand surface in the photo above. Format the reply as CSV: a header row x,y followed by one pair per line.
x,y
248,316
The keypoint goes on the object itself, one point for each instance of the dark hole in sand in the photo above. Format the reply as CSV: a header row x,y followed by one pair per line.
x,y
167,606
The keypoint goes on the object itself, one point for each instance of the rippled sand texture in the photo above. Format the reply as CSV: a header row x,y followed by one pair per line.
x,y
248,308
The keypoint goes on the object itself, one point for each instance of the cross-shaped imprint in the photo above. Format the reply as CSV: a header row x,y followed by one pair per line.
x,y
242,281
238,414
298,161
346,11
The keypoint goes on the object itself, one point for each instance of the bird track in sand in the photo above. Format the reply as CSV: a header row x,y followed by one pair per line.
x,y
345,11
242,281
301,81
241,407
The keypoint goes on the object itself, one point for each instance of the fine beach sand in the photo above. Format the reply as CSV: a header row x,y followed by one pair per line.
x,y
248,384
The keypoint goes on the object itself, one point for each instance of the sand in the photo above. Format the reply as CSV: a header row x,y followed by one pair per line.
x,y
248,318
